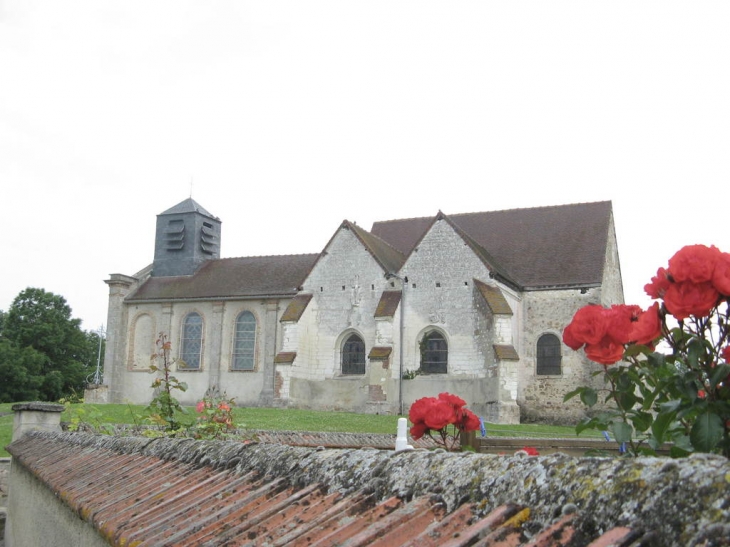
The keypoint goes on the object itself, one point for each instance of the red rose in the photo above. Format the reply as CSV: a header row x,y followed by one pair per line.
x,y
721,275
647,327
419,409
454,400
570,339
659,284
440,415
530,450
607,352
469,421
587,327
418,430
620,318
687,298
694,263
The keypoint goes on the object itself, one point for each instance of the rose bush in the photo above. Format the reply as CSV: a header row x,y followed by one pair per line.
x,y
445,415
215,416
682,397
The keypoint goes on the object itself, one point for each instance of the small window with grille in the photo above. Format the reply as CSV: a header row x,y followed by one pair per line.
x,y
353,355
192,342
549,358
244,342
434,353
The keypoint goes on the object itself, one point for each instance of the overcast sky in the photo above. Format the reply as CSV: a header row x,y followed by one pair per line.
x,y
289,117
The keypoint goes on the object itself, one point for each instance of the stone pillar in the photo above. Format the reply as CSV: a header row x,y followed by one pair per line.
x,y
269,334
166,325
215,348
36,417
116,334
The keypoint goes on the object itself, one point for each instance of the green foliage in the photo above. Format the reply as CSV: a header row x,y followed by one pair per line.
x,y
86,418
41,322
20,373
164,408
411,374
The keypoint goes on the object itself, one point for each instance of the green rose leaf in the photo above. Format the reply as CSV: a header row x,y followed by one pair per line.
x,y
626,400
569,396
622,432
706,432
642,421
589,397
661,425
719,374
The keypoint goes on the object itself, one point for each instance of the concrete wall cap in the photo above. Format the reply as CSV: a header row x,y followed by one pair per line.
x,y
38,406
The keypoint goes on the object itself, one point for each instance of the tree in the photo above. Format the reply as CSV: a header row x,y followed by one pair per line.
x,y
42,321
20,373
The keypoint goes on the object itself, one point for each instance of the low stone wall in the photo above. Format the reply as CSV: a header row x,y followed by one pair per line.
x,y
681,501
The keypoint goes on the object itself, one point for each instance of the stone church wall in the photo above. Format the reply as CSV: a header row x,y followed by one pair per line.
x,y
541,397
440,295
146,321
346,285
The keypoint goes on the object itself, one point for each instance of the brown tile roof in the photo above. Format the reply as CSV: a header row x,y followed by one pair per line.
x,y
244,277
138,491
388,303
387,256
505,352
541,247
494,298
296,307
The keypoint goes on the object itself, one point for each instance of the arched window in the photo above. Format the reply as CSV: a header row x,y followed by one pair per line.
x,y
434,353
548,355
353,355
244,342
192,341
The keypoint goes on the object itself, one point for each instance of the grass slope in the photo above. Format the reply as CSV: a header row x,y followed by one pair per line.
x,y
277,419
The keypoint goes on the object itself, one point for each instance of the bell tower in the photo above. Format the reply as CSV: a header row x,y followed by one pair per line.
x,y
187,235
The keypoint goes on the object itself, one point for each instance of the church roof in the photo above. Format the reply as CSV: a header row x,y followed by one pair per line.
x,y
389,257
244,277
541,247
188,206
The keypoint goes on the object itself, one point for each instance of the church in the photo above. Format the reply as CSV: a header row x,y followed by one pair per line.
x,y
473,304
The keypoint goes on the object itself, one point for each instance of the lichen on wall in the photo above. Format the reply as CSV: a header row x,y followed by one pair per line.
x,y
678,500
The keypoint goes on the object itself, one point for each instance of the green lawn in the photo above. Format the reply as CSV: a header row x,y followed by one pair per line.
x,y
279,419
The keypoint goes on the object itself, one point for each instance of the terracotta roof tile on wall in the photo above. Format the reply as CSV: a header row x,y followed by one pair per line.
x,y
380,352
504,352
285,357
388,303
494,298
296,307
256,276
541,247
138,491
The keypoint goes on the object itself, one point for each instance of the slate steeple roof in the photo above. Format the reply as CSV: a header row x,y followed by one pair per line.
x,y
188,206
